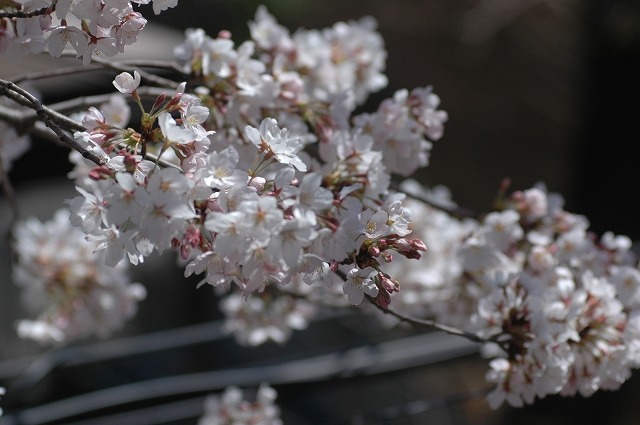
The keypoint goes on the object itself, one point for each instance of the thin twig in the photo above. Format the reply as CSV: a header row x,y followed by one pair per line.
x,y
435,325
26,120
47,117
154,63
84,102
455,211
152,78
54,72
23,15
430,323
69,70
16,97
103,63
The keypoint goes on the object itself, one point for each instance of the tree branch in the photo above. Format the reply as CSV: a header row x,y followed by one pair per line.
x,y
454,211
27,120
23,15
84,102
432,324
158,64
54,72
159,81
439,326
70,70
49,117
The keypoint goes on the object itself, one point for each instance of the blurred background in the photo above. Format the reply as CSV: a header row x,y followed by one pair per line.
x,y
536,91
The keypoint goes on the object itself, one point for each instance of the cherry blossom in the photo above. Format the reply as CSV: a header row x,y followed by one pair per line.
x,y
69,288
162,5
125,83
105,28
259,319
231,408
358,283
63,35
276,142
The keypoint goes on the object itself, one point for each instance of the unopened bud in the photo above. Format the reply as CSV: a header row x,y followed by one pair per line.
x,y
159,101
417,244
402,245
389,284
382,299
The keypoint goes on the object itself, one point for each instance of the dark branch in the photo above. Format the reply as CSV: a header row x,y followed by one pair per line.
x,y
435,325
70,70
454,211
23,15
50,118
432,324
152,78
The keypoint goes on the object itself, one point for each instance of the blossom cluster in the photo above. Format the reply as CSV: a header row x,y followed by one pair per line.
x,y
103,27
265,316
241,199
561,304
317,76
231,408
70,289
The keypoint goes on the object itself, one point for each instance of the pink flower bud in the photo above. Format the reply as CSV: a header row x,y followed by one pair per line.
x,y
418,245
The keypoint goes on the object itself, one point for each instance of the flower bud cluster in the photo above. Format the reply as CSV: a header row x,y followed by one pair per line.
x,y
231,408
70,289
103,27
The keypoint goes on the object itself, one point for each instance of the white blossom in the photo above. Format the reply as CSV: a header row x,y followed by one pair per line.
x,y
125,83
358,283
71,291
231,408
274,141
